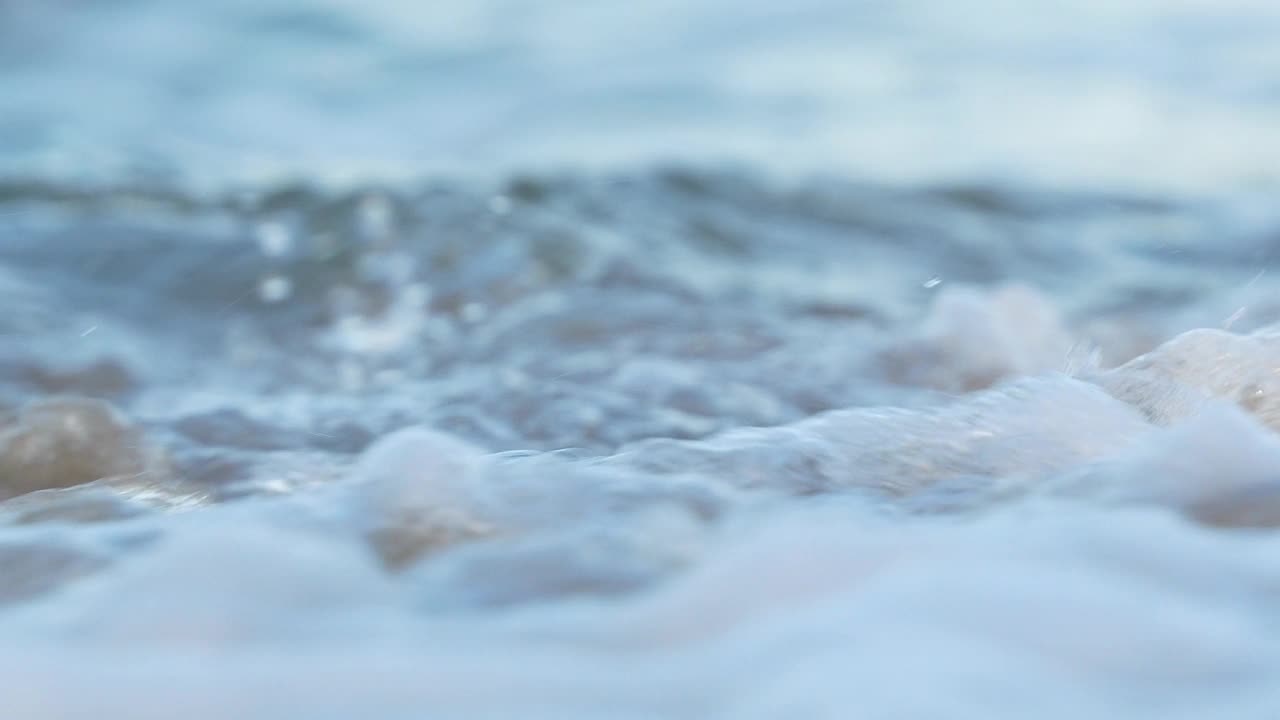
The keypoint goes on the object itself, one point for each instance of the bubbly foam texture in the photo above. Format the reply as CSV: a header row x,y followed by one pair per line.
x,y
1048,587
1173,381
1014,433
676,445
1219,465
420,490
1143,602
973,339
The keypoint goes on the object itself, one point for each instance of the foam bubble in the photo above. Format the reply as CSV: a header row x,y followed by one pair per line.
x,y
418,490
1218,465
974,338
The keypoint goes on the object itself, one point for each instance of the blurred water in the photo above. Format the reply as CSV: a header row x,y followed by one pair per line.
x,y
1181,95
657,360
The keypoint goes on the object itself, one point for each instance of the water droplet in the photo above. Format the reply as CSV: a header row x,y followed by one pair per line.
x,y
274,288
1252,396
274,238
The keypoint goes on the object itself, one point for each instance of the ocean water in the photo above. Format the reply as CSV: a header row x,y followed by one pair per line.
x,y
516,359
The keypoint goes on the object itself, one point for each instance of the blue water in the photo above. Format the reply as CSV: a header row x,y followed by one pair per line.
x,y
536,358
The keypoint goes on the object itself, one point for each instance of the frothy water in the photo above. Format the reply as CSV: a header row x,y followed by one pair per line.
x,y
299,417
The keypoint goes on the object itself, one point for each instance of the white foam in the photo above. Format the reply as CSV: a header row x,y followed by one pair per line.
x,y
759,573
973,338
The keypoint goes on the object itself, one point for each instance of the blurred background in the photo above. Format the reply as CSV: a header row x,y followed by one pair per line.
x,y
1161,94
